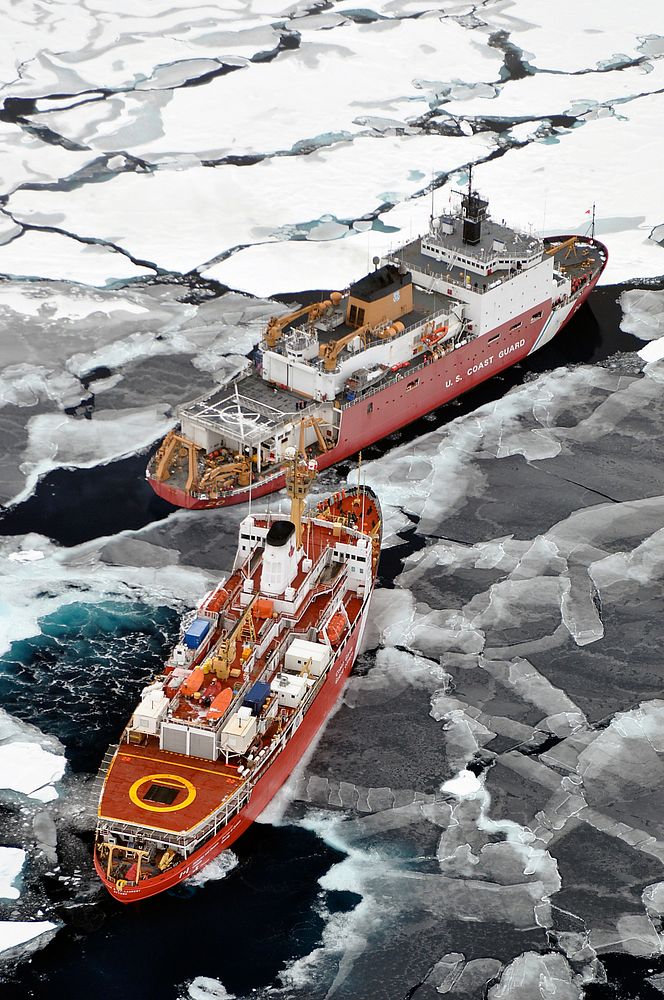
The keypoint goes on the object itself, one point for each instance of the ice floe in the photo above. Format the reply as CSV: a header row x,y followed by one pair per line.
x,y
532,976
235,205
323,96
568,38
54,255
205,988
643,316
542,95
27,158
12,860
15,935
56,440
30,769
465,783
30,762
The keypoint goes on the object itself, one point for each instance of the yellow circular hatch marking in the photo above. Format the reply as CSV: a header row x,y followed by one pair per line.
x,y
174,780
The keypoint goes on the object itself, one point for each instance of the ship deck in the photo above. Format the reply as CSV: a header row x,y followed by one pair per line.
x,y
195,787
174,792
582,257
250,408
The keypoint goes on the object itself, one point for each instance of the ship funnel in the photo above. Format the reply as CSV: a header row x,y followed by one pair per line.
x,y
280,558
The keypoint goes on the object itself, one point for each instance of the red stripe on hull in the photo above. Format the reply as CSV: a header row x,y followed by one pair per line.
x,y
266,787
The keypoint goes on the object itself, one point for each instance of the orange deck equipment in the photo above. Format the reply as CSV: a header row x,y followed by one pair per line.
x,y
336,627
220,704
193,682
263,608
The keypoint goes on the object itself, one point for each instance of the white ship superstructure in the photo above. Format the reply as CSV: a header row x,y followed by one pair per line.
x,y
468,298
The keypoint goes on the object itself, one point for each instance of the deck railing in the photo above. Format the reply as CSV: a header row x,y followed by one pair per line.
x,y
450,346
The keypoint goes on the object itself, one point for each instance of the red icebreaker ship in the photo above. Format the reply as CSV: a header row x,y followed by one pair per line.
x,y
257,669
436,318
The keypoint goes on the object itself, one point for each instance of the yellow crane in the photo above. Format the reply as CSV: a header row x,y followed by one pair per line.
x,y
331,350
277,324
225,653
176,446
315,422
240,470
561,246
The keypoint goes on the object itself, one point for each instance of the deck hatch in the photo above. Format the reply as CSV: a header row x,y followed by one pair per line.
x,y
162,794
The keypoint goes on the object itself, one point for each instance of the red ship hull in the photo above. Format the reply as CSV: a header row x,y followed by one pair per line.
x,y
265,788
405,400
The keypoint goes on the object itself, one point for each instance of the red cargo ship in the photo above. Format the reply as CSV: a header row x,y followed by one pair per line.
x,y
256,672
436,318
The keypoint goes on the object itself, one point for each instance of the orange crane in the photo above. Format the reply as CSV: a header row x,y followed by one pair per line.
x,y
561,246
176,446
231,470
330,351
277,324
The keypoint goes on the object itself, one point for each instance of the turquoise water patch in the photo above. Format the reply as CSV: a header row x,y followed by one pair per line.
x,y
80,678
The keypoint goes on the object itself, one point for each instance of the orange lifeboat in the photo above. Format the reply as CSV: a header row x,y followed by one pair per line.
x,y
263,608
194,682
336,628
220,704
217,601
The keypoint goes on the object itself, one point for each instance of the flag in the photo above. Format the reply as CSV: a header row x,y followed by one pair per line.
x,y
588,211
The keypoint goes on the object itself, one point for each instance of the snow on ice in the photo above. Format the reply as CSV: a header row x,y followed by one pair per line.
x,y
12,860
29,769
16,934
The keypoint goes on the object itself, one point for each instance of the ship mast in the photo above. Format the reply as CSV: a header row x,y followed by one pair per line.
x,y
300,474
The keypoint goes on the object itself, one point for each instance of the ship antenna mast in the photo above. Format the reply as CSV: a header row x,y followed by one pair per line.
x,y
359,483
432,193
251,482
239,415
300,474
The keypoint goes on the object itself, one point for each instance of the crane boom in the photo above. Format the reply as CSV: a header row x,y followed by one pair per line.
x,y
561,246
277,324
330,351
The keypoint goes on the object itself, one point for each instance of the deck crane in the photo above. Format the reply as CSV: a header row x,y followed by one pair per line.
x,y
331,350
384,331
277,324
174,446
557,247
217,475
